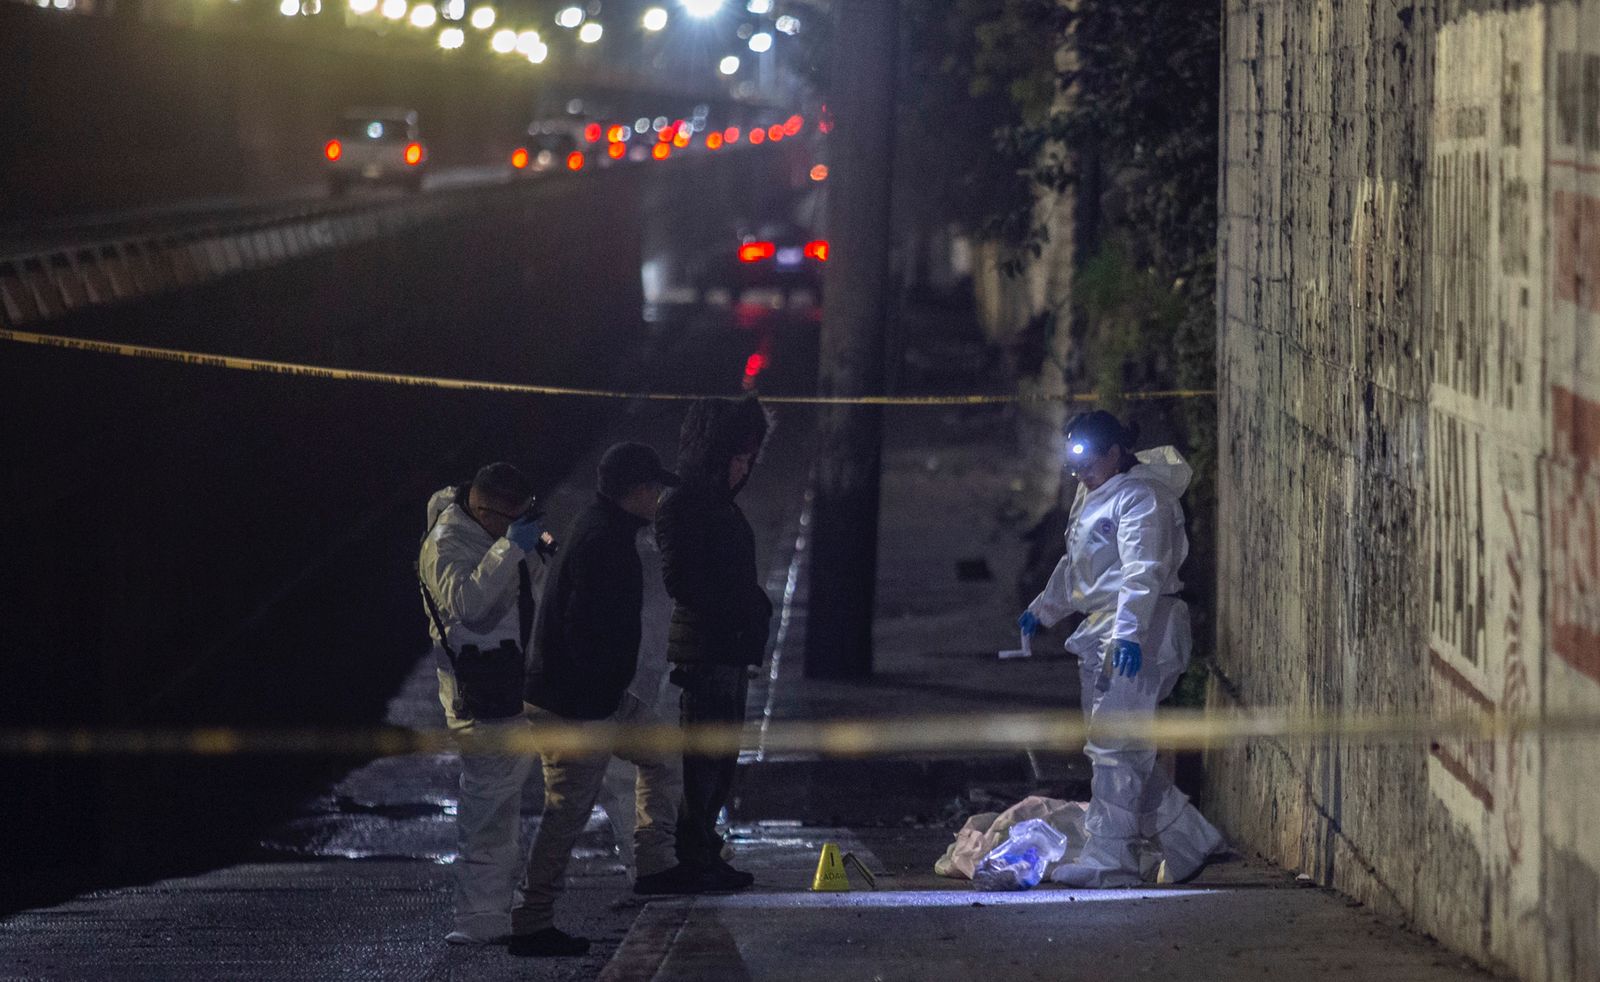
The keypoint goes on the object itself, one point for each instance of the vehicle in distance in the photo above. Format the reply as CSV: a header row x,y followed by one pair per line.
x,y
549,145
778,258
375,146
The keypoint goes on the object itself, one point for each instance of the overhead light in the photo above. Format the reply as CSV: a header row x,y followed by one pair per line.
x,y
452,38
729,65
759,6
504,41
424,15
655,19
761,42
701,8
453,9
540,52
289,8
788,24
394,9
363,6
569,17
527,41
483,18
590,32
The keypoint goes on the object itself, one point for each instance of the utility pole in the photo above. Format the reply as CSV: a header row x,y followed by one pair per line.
x,y
844,528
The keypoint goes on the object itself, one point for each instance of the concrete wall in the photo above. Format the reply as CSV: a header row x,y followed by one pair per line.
x,y
1409,294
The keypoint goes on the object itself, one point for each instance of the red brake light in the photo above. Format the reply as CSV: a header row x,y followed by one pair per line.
x,y
413,154
819,172
758,136
794,124
774,132
333,150
616,150
754,365
681,140
754,252
661,151
731,134
592,132
519,158
575,160
616,134
818,250
713,141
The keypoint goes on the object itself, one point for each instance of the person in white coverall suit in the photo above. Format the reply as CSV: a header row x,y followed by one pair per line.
x,y
475,570
1125,543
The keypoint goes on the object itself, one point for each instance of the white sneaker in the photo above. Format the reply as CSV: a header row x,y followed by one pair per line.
x,y
463,938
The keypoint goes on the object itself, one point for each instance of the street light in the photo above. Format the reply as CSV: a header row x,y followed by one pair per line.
x,y
504,41
289,8
729,65
569,17
424,15
761,43
452,38
759,6
789,25
483,18
655,19
363,6
527,42
590,33
453,10
539,53
394,9
701,8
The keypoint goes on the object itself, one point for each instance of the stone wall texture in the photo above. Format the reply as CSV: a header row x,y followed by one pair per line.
x,y
1409,300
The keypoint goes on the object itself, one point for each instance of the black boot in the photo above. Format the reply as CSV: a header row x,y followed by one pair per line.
x,y
551,942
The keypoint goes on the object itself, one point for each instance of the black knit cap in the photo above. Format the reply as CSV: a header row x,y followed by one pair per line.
x,y
1098,430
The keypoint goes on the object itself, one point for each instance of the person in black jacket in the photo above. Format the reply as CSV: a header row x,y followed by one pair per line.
x,y
720,615
585,651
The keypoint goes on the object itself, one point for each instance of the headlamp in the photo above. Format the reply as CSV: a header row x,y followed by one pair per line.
x,y
1077,450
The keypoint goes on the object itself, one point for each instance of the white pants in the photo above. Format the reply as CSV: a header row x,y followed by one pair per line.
x,y
488,820
1131,797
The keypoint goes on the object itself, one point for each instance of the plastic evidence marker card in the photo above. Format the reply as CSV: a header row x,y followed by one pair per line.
x,y
1026,651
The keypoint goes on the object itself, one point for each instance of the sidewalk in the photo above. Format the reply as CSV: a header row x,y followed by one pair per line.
x,y
358,885
949,513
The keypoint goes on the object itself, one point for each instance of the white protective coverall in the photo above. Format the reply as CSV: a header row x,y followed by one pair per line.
x,y
1125,544
474,579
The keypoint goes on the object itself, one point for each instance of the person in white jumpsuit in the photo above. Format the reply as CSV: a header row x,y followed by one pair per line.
x,y
1125,543
475,564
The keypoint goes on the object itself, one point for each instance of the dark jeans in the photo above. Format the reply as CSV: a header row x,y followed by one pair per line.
x,y
711,694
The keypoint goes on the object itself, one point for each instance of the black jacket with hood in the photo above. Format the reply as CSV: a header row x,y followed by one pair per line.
x,y
720,614
586,639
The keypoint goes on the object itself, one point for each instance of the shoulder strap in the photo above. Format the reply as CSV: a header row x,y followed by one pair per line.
x,y
427,598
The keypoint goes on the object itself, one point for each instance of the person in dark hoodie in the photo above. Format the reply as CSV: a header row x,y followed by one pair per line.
x,y
720,615
586,649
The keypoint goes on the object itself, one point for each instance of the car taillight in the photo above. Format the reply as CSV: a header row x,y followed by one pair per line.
x,y
755,364
334,150
754,252
818,250
758,136
591,133
413,154
519,158
713,141
731,134
661,151
575,160
775,132
616,150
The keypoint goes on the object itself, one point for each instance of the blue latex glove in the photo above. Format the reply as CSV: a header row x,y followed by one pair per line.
x,y
1126,656
525,533
1028,623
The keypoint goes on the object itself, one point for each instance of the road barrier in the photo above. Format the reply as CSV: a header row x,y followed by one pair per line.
x,y
1064,730
246,364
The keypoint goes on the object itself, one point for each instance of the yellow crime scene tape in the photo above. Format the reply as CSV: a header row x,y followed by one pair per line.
x,y
240,363
1065,730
